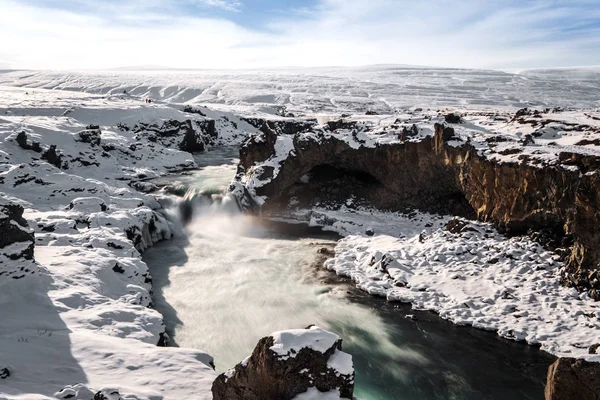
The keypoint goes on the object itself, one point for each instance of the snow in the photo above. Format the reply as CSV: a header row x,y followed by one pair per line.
x,y
315,394
478,277
78,320
331,90
287,344
341,362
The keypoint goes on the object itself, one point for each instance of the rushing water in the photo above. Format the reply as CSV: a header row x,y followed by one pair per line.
x,y
230,279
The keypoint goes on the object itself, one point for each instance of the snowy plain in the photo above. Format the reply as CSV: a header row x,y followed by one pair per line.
x,y
80,309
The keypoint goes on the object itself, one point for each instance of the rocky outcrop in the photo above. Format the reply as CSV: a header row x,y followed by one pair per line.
x,y
92,135
570,379
259,147
288,363
441,173
16,238
286,126
187,135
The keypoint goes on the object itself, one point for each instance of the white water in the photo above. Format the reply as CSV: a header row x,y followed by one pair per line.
x,y
239,276
231,279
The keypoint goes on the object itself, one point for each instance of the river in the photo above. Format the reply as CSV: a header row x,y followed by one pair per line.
x,y
229,279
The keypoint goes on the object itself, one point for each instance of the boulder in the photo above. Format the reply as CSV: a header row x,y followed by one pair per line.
x,y
453,118
570,379
288,363
16,240
54,157
92,135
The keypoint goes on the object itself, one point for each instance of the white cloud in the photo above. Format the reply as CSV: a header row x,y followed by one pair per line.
x,y
230,5
336,32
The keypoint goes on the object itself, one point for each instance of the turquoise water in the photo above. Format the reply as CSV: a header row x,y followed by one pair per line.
x,y
230,279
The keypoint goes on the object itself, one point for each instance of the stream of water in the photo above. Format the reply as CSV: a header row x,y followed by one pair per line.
x,y
230,279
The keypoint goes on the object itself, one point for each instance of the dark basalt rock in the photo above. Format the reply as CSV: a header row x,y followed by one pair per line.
x,y
258,148
187,135
453,118
341,124
192,143
4,373
456,226
54,158
284,126
528,140
22,141
91,135
266,375
573,379
15,229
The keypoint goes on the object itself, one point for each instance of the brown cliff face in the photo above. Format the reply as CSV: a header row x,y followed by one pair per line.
x,y
433,176
570,379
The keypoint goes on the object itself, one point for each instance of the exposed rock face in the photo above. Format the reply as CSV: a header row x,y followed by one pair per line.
x,y
433,176
284,126
258,148
570,379
288,363
16,238
188,135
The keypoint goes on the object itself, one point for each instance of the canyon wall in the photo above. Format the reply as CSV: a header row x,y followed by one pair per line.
x,y
559,205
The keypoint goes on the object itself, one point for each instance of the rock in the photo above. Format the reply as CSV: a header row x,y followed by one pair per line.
x,y
187,135
79,392
108,394
284,126
434,176
4,373
594,349
289,363
22,141
90,135
453,118
17,239
528,140
53,157
258,147
458,226
573,379
192,142
522,113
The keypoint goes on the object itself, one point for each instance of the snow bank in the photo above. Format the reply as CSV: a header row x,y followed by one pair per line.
x,y
477,277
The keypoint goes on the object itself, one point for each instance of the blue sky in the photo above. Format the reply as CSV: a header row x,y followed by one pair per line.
x,y
87,34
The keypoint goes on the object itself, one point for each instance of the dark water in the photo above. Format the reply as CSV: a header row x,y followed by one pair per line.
x,y
232,279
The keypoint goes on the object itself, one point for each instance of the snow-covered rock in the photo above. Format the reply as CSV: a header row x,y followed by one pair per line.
x,y
295,364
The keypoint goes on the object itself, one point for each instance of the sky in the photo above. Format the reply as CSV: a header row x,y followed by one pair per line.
x,y
215,34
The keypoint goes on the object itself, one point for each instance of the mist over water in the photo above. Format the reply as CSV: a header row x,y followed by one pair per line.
x,y
230,279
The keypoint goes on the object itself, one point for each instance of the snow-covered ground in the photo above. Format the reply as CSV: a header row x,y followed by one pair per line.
x,y
476,277
82,321
74,147
335,90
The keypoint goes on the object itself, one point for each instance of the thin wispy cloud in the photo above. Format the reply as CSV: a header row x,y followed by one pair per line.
x,y
74,34
229,5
